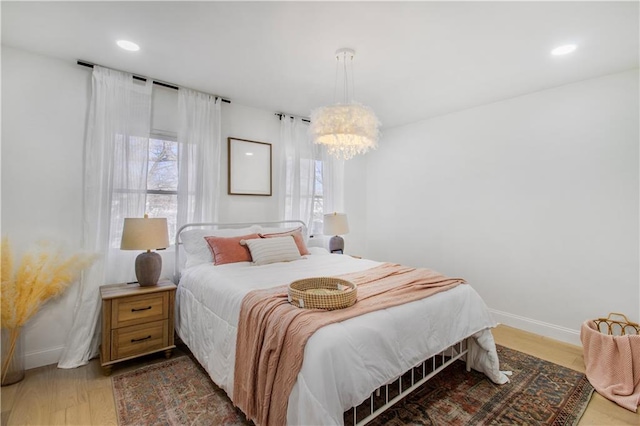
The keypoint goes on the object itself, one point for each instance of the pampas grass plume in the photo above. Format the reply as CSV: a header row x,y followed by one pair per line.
x,y
43,274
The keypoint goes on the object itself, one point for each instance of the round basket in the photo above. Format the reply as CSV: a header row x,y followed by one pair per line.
x,y
322,293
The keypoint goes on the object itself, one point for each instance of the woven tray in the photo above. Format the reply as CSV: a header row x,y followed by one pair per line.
x,y
322,293
618,327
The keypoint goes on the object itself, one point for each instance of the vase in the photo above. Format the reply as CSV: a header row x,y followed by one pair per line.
x,y
15,367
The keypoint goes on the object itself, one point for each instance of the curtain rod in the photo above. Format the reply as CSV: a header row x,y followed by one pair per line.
x,y
159,83
281,114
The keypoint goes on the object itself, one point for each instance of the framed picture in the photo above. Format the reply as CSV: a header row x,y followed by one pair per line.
x,y
249,167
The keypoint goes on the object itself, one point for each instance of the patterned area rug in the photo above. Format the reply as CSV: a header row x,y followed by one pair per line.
x,y
179,392
175,392
539,393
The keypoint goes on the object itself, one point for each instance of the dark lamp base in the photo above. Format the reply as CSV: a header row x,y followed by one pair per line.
x,y
336,243
148,268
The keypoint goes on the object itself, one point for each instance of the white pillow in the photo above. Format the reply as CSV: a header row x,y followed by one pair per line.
x,y
318,251
196,247
272,250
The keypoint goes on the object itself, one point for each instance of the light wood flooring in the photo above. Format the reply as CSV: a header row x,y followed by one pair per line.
x,y
83,396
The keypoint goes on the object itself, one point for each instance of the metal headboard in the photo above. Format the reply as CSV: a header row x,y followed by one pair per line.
x,y
222,225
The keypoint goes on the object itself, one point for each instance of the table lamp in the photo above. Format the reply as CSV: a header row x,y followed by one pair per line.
x,y
335,224
146,234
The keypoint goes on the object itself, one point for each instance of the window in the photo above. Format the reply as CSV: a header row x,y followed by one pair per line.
x,y
162,181
161,194
318,201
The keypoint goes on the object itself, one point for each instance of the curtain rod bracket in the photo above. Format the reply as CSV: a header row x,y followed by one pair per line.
x,y
281,114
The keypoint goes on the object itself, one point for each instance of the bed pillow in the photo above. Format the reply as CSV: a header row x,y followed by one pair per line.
x,y
229,249
318,251
277,230
272,250
297,237
196,247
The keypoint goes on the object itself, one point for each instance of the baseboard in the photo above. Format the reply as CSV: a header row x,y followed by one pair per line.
x,y
41,358
542,328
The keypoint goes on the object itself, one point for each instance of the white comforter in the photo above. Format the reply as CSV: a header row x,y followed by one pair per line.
x,y
343,362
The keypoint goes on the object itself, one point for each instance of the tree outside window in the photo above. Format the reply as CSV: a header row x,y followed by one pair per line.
x,y
162,181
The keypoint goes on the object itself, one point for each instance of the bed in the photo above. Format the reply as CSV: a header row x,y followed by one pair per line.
x,y
344,363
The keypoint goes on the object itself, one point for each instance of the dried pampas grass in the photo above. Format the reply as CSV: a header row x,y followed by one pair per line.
x,y
43,273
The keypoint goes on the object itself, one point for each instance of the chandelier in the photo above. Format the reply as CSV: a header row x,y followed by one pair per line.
x,y
346,128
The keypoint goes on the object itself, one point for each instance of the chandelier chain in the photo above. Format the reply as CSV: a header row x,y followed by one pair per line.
x,y
346,79
353,85
335,83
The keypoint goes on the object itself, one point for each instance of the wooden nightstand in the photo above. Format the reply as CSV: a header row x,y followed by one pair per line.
x,y
136,321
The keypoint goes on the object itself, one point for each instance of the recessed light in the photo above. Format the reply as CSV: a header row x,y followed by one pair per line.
x,y
128,45
248,153
564,49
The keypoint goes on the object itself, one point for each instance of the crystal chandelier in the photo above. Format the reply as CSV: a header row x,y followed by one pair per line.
x,y
346,128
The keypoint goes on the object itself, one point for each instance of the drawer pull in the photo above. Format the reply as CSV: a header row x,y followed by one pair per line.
x,y
140,309
140,340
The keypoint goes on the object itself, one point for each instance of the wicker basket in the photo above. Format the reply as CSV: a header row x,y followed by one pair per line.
x,y
618,327
307,293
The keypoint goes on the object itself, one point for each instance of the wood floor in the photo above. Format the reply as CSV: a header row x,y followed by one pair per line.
x,y
83,396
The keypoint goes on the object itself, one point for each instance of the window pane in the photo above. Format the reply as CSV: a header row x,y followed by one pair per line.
x,y
163,165
164,206
318,190
318,210
315,227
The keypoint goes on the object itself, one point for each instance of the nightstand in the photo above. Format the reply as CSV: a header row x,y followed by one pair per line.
x,y
136,321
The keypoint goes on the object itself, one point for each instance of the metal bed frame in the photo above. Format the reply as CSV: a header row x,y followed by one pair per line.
x,y
387,395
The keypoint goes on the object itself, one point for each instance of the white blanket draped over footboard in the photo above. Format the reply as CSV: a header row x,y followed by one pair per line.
x,y
343,362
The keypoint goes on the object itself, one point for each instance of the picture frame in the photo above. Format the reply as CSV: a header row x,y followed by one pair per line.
x,y
250,167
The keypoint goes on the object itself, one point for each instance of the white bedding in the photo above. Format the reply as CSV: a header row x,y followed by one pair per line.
x,y
343,362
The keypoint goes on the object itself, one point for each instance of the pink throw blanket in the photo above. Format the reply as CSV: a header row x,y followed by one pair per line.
x,y
612,365
272,333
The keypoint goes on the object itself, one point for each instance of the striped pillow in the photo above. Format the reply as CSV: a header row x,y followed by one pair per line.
x,y
295,233
271,250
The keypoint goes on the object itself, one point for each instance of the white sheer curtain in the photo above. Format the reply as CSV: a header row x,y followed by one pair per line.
x,y
115,179
297,171
198,157
298,183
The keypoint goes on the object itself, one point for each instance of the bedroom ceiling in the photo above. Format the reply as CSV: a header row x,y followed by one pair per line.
x,y
414,60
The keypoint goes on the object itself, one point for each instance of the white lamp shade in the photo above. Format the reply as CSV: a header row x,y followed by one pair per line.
x,y
144,234
335,224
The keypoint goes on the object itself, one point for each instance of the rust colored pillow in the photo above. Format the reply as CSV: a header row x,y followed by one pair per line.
x,y
229,250
297,237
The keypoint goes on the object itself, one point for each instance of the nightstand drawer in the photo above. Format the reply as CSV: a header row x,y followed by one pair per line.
x,y
140,309
138,339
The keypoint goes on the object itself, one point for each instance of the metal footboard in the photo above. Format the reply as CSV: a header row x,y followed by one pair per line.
x,y
387,395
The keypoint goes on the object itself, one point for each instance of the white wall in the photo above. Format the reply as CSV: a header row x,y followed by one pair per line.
x,y
44,106
355,205
242,122
534,200
44,109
